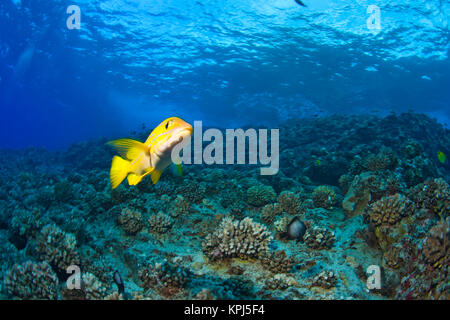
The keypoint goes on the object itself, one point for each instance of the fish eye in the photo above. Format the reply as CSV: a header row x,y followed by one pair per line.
x,y
168,124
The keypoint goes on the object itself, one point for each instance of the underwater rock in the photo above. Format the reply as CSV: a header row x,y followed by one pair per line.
x,y
358,196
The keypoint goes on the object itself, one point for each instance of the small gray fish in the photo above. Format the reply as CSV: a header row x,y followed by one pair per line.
x,y
119,282
296,229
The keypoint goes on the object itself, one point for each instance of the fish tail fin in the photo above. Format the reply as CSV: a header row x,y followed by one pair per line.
x,y
155,175
119,171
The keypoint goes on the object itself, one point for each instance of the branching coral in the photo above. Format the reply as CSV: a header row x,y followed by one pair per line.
x,y
324,197
325,279
58,247
278,262
389,210
92,287
32,281
160,223
393,257
180,207
280,282
433,195
260,195
63,191
25,223
164,276
130,220
237,238
282,223
290,203
319,238
385,159
191,191
270,211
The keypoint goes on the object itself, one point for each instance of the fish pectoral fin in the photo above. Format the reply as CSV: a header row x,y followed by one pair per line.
x,y
155,175
119,170
179,169
128,148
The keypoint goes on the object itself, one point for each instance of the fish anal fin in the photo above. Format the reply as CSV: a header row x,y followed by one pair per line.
x,y
134,179
155,175
128,148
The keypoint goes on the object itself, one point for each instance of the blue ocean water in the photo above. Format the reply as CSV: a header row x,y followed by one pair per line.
x,y
229,63
359,205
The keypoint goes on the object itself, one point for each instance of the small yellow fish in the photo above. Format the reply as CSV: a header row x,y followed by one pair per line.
x,y
441,156
151,157
318,162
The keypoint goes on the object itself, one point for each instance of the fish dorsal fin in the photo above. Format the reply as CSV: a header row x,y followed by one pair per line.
x,y
128,148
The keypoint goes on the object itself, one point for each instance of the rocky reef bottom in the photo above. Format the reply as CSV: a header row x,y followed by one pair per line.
x,y
359,210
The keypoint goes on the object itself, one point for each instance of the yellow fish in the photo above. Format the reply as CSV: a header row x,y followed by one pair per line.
x,y
151,157
441,156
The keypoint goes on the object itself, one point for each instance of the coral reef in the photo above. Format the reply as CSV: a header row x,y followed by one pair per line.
x,y
32,281
222,232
